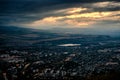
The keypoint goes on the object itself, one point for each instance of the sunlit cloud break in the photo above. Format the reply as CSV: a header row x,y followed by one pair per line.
x,y
74,18
62,14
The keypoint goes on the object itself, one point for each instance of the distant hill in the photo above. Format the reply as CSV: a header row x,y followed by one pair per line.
x,y
12,36
87,31
18,31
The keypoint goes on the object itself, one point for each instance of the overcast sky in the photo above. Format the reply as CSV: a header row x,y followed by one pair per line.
x,y
46,14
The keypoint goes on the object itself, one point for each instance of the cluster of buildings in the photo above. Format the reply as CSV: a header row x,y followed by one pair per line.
x,y
60,61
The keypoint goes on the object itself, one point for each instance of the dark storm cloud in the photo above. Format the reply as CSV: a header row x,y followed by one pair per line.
x,y
17,6
30,10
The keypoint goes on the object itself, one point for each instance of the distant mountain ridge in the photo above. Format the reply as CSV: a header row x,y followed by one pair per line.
x,y
86,31
17,36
